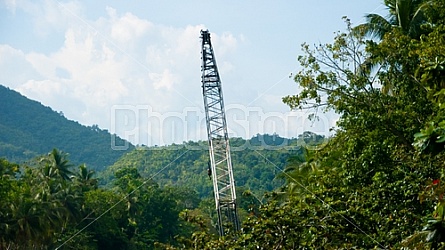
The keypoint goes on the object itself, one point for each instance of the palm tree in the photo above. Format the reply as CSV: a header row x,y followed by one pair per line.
x,y
85,178
299,173
407,15
29,225
57,164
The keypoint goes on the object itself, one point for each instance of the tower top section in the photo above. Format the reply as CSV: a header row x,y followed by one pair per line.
x,y
205,36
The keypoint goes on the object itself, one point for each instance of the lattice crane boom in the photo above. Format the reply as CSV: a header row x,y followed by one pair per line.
x,y
219,148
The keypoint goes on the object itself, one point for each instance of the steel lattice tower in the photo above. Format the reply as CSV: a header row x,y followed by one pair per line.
x,y
219,148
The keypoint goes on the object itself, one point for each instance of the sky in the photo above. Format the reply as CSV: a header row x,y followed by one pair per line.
x,y
134,68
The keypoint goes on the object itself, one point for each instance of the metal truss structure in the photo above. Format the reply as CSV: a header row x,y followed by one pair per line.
x,y
219,148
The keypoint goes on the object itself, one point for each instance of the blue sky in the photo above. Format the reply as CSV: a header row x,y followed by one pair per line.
x,y
133,67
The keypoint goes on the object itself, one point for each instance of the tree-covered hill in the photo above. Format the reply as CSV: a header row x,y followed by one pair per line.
x,y
28,129
48,203
256,163
378,182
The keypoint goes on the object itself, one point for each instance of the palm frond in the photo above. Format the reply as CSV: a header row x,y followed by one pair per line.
x,y
375,27
419,18
404,9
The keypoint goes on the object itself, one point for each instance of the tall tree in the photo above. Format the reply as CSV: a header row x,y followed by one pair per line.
x,y
299,174
372,150
58,163
85,178
406,15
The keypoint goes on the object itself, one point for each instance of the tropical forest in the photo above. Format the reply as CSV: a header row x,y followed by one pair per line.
x,y
377,182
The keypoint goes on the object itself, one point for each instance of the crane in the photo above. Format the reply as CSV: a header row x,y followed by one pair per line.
x,y
220,167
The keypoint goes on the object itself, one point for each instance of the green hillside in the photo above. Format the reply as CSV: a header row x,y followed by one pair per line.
x,y
28,129
256,163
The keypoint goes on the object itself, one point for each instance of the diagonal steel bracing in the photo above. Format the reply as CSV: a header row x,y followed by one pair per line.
x,y
219,148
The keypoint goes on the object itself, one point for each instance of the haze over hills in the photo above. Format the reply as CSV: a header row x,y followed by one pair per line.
x,y
28,129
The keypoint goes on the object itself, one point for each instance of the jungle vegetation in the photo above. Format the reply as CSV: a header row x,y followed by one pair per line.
x,y
376,184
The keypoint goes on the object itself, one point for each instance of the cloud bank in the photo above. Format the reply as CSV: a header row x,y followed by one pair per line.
x,y
97,66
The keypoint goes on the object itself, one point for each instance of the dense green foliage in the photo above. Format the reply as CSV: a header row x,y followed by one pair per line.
x,y
28,129
256,163
378,183
52,204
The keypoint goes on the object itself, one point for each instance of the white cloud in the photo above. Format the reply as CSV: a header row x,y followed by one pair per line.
x,y
114,60
228,42
15,67
165,80
128,27
47,88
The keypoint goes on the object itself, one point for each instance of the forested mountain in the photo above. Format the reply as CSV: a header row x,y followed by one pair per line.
x,y
48,203
256,162
28,129
376,184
